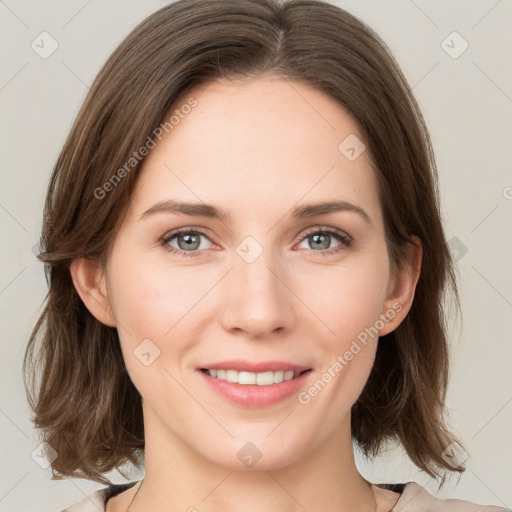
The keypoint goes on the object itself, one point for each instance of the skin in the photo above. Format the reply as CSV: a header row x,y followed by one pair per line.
x,y
257,149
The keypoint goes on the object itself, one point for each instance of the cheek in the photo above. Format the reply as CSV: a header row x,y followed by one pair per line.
x,y
350,307
167,303
151,308
154,300
345,298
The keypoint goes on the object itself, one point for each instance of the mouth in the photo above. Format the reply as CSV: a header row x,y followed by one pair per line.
x,y
255,385
247,378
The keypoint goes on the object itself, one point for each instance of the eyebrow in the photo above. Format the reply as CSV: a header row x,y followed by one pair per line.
x,y
300,212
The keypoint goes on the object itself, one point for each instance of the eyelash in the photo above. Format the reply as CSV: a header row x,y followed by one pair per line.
x,y
346,241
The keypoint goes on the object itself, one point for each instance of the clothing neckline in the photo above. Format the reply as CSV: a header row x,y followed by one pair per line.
x,y
115,489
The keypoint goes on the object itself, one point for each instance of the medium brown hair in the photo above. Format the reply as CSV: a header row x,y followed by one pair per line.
x,y
86,405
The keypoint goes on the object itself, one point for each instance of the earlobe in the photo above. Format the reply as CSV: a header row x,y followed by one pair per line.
x,y
89,282
402,288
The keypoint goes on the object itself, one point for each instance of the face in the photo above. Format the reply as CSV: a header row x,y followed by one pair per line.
x,y
269,281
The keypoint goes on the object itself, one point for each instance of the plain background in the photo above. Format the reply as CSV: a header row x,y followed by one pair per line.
x,y
467,104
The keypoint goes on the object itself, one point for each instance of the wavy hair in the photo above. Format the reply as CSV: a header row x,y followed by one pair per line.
x,y
84,402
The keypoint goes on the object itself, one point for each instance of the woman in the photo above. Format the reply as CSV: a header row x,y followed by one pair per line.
x,y
246,265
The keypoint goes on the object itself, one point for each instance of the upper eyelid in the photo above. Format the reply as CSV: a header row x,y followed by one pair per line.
x,y
305,232
179,231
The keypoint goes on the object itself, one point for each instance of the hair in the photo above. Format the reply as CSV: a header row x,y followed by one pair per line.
x,y
87,407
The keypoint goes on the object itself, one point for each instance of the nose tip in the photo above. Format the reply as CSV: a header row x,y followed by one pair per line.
x,y
256,301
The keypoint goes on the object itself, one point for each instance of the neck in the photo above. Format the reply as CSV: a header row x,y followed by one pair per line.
x,y
324,479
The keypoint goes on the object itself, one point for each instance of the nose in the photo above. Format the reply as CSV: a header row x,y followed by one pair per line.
x,y
257,300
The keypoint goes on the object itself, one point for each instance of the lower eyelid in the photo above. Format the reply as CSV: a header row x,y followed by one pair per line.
x,y
168,238
344,239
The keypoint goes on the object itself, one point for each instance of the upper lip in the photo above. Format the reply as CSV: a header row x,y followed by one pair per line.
x,y
255,367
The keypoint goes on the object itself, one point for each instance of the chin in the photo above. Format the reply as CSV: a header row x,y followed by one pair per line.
x,y
251,454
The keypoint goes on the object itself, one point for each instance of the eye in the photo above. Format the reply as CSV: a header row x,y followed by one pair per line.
x,y
189,240
320,238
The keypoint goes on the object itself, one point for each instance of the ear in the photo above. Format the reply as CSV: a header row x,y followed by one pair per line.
x,y
89,281
401,288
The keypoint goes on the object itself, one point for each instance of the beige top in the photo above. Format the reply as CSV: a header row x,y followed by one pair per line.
x,y
413,498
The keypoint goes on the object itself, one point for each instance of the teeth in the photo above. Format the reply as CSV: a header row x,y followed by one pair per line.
x,y
259,379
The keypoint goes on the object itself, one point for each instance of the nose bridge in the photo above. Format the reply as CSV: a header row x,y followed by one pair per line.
x,y
257,301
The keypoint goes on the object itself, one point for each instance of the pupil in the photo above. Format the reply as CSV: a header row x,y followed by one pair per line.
x,y
190,239
316,237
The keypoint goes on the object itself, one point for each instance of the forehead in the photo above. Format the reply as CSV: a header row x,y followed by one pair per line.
x,y
251,145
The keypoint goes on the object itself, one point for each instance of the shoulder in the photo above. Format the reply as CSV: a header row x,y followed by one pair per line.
x,y
92,503
415,498
96,501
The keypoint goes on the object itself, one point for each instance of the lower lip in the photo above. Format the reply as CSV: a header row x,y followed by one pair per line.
x,y
256,396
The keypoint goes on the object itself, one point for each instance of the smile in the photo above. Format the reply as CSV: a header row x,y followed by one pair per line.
x,y
251,378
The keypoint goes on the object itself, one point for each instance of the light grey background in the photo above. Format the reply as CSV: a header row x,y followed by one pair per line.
x,y
467,103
